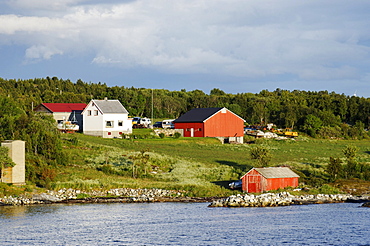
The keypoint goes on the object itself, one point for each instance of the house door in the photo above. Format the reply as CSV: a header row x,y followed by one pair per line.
x,y
191,132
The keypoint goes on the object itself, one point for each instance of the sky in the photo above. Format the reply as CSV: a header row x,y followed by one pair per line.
x,y
237,46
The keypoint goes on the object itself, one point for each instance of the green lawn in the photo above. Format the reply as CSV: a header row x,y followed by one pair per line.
x,y
202,166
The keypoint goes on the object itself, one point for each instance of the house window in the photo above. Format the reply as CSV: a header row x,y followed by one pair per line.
x,y
120,123
95,112
188,129
200,129
109,124
88,112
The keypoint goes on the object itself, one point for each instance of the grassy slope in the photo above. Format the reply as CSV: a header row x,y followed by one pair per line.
x,y
203,166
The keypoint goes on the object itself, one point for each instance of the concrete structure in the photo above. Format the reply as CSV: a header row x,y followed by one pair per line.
x,y
63,112
212,122
106,118
263,179
16,174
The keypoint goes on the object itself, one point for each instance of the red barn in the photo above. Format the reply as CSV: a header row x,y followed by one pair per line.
x,y
212,122
258,180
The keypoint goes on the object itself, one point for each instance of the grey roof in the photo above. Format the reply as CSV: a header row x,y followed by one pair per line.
x,y
276,172
110,106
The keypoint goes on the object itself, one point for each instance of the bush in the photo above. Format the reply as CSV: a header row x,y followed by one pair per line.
x,y
161,135
177,135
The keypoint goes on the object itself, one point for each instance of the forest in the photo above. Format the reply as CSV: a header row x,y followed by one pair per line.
x,y
319,114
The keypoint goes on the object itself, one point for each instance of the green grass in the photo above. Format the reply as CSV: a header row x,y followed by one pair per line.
x,y
199,166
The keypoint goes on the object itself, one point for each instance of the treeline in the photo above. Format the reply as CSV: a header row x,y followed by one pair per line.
x,y
319,114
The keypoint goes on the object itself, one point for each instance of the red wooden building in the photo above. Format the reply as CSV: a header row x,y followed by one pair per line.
x,y
258,180
212,122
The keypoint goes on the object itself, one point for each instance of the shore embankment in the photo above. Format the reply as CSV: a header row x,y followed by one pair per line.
x,y
120,195
127,195
283,199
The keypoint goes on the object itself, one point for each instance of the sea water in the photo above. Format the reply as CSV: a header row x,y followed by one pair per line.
x,y
184,224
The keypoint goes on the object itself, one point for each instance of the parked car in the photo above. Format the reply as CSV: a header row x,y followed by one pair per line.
x,y
145,121
158,124
236,185
168,124
136,120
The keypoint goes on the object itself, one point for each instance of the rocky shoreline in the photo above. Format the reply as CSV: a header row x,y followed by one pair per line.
x,y
120,195
127,195
284,199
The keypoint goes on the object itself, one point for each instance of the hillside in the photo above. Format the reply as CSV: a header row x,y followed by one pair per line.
x,y
203,167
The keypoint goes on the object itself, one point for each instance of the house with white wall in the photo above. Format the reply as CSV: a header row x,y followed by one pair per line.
x,y
67,115
106,118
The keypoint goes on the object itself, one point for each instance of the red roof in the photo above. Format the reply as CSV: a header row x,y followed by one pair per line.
x,y
64,107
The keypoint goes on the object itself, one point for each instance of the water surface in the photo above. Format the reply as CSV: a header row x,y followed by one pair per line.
x,y
184,224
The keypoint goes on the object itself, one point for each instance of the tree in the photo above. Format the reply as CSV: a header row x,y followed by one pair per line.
x,y
261,154
140,164
350,152
334,168
311,125
5,160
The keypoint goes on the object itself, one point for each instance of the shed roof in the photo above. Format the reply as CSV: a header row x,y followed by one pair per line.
x,y
276,172
110,106
64,107
199,115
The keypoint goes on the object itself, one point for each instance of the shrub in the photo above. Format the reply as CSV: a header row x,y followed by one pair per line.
x,y
161,135
177,135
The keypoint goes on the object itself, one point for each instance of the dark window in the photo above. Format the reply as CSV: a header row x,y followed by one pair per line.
x,y
109,124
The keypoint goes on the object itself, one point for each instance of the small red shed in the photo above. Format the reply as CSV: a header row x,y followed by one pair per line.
x,y
211,122
268,178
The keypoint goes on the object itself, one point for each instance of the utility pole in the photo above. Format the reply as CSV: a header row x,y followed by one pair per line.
x,y
152,107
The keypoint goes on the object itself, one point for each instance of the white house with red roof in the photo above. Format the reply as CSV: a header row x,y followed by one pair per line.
x,y
106,118
67,115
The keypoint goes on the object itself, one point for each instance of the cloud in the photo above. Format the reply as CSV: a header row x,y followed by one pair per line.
x,y
250,39
54,5
42,52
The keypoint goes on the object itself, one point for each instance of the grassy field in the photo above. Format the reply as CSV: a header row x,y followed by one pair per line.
x,y
200,166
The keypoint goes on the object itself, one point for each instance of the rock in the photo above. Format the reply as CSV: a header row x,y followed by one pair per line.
x,y
366,204
45,198
278,199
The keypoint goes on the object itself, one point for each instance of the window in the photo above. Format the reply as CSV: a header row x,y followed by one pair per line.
x,y
200,129
109,124
120,123
95,112
88,112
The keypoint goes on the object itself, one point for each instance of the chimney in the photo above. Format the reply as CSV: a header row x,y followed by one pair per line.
x,y
105,98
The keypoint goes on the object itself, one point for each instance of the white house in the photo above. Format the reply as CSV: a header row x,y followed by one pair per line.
x,y
106,118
